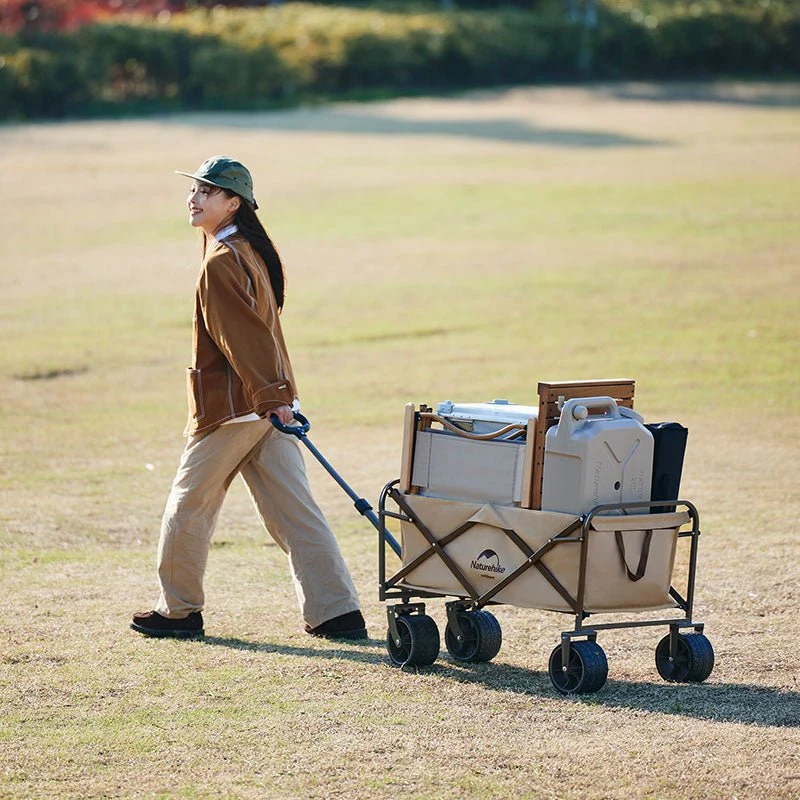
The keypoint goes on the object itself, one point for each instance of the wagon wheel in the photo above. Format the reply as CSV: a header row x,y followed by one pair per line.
x,y
481,637
694,659
418,644
586,672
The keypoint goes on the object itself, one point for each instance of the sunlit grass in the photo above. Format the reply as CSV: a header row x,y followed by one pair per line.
x,y
422,266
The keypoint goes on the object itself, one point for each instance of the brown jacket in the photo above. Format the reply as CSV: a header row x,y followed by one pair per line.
x,y
239,359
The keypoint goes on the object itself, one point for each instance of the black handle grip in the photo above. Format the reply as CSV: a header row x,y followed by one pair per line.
x,y
293,430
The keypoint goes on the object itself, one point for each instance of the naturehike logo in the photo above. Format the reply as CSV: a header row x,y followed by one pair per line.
x,y
598,466
488,564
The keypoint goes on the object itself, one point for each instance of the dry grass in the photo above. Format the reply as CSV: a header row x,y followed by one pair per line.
x,y
460,248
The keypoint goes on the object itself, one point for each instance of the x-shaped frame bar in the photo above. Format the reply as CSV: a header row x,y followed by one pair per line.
x,y
533,557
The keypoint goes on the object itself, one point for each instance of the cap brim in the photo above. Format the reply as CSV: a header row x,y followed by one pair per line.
x,y
199,178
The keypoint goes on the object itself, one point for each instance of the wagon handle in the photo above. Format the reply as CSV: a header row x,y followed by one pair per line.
x,y
361,505
293,430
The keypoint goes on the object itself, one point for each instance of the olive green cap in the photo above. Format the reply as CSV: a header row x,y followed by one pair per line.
x,y
226,173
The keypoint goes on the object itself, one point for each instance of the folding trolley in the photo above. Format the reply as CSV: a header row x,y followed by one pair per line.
x,y
617,558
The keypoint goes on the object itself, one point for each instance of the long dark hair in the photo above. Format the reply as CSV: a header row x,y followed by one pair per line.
x,y
249,225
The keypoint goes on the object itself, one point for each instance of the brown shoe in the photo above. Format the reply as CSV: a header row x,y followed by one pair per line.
x,y
151,623
346,626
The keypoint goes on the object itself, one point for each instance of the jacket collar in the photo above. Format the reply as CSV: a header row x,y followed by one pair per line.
x,y
225,233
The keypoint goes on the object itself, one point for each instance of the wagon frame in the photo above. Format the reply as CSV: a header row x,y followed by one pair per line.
x,y
577,664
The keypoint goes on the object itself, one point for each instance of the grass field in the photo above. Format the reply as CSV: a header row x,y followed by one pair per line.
x,y
461,248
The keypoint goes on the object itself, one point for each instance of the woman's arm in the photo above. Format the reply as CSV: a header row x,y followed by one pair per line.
x,y
248,340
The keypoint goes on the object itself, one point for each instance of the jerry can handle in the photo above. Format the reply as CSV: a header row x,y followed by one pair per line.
x,y
576,411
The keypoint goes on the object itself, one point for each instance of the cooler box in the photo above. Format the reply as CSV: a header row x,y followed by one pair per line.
x,y
453,465
481,418
592,458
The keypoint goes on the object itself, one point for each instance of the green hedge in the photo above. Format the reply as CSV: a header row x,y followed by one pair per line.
x,y
667,38
254,58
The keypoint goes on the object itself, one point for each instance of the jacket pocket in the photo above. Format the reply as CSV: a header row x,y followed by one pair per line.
x,y
194,389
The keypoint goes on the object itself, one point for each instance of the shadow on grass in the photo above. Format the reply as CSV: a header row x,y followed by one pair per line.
x,y
350,650
717,702
332,120
762,95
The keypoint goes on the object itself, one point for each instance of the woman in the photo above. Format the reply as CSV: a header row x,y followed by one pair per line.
x,y
240,376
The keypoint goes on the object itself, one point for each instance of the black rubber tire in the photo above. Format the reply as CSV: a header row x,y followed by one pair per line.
x,y
419,641
482,640
694,659
587,669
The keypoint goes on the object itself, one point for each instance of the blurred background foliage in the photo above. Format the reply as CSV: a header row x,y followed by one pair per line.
x,y
71,58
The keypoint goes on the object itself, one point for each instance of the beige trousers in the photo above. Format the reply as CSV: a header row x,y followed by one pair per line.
x,y
272,467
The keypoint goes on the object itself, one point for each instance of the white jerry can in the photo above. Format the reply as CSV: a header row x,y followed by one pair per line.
x,y
591,459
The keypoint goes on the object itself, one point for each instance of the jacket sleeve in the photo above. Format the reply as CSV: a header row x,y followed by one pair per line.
x,y
247,340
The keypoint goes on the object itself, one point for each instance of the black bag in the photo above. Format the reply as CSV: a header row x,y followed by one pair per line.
x,y
670,446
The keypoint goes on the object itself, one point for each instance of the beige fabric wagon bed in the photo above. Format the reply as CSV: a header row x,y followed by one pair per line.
x,y
627,568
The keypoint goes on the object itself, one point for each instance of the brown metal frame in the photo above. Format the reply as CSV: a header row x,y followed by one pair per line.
x,y
391,588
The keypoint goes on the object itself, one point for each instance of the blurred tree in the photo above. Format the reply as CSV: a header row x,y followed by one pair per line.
x,y
584,14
